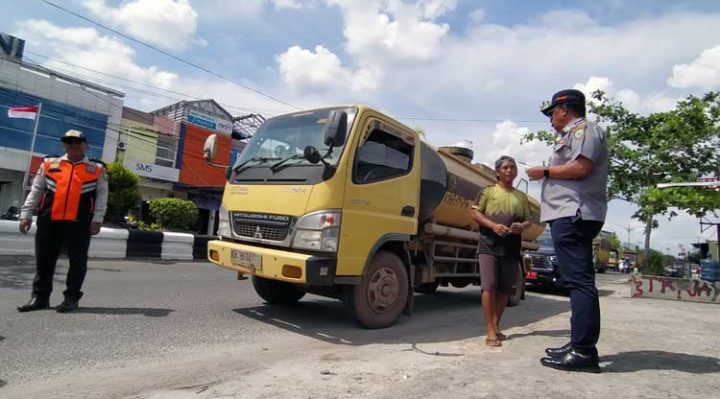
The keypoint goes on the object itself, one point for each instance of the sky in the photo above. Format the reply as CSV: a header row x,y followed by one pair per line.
x,y
459,70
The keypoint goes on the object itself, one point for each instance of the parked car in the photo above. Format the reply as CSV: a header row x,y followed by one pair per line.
x,y
542,265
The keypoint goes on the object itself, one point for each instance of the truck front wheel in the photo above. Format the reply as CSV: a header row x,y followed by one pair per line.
x,y
276,292
380,298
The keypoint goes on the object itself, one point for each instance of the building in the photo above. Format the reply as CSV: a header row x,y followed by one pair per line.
x,y
148,146
199,181
64,102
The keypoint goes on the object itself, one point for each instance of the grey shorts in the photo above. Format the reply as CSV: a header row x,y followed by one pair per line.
x,y
498,273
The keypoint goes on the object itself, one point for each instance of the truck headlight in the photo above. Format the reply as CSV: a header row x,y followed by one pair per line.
x,y
224,222
318,231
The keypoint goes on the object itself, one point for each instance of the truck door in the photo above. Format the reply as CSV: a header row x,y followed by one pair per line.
x,y
382,196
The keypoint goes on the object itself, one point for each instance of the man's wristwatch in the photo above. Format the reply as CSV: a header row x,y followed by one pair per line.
x,y
546,172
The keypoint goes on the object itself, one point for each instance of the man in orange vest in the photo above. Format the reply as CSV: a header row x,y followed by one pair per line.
x,y
70,194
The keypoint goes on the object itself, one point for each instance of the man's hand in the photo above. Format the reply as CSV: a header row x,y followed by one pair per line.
x,y
535,173
25,225
501,229
517,228
95,228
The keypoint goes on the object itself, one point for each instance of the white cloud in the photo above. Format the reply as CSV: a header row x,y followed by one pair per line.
x,y
169,23
386,32
87,48
634,102
306,71
703,72
286,4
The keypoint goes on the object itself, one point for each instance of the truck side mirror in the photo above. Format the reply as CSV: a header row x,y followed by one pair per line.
x,y
336,129
311,154
210,147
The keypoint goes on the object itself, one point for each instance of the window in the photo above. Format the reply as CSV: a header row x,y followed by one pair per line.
x,y
166,150
381,157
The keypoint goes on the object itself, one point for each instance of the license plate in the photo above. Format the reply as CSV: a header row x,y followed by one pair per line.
x,y
532,275
246,259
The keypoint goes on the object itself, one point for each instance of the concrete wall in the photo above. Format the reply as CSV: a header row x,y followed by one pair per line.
x,y
113,243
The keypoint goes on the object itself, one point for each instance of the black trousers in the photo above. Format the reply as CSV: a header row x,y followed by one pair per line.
x,y
49,240
572,239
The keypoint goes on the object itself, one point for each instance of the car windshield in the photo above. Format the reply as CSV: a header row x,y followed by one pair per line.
x,y
287,136
545,241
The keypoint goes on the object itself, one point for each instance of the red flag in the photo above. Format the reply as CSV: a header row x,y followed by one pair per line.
x,y
23,112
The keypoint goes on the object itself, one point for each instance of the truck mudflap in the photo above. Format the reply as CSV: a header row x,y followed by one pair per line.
x,y
274,264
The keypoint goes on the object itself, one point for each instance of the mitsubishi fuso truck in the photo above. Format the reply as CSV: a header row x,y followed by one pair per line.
x,y
348,203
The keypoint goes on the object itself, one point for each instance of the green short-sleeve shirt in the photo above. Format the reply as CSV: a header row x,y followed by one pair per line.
x,y
503,207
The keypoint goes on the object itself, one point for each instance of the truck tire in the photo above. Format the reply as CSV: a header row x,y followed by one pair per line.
x,y
427,288
379,299
276,292
514,300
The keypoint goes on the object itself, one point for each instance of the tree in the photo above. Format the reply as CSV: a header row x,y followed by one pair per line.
x,y
615,242
674,146
123,192
174,213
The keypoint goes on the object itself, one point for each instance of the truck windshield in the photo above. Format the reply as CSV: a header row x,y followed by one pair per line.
x,y
285,138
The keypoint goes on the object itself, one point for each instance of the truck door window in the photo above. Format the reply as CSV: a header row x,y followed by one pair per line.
x,y
382,157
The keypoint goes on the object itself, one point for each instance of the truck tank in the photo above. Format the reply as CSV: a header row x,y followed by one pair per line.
x,y
451,185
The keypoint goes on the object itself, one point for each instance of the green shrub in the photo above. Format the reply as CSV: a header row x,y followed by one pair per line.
x,y
123,193
174,213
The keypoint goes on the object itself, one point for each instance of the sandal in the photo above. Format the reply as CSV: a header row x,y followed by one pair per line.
x,y
501,336
493,342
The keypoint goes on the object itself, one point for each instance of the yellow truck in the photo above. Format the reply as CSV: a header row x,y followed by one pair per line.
x,y
348,203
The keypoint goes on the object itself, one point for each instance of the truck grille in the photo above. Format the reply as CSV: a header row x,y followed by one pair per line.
x,y
263,226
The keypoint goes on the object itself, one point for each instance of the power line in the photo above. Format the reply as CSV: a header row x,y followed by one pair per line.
x,y
184,95
168,54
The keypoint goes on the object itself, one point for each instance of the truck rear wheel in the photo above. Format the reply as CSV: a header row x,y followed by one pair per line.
x,y
276,292
514,300
380,298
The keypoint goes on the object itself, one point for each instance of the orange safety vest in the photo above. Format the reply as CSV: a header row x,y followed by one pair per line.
x,y
70,194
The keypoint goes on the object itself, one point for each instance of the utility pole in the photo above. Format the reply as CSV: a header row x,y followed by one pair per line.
x,y
629,228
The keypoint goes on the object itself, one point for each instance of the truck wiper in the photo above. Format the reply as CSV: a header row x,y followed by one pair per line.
x,y
260,160
277,165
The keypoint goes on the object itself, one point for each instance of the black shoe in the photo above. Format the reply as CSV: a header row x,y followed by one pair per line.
x,y
68,305
34,304
573,361
559,352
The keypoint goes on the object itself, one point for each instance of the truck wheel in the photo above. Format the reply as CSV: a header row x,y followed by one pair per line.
x,y
380,298
427,288
276,292
514,300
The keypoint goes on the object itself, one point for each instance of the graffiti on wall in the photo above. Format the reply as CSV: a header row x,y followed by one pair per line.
x,y
675,288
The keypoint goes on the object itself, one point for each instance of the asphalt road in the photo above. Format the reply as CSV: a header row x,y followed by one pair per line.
x,y
137,310
149,326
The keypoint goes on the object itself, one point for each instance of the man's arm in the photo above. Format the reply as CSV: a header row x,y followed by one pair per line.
x,y
101,197
33,199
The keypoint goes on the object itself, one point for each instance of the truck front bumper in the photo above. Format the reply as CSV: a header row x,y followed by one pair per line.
x,y
274,264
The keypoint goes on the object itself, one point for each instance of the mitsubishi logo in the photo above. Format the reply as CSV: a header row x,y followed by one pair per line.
x,y
257,234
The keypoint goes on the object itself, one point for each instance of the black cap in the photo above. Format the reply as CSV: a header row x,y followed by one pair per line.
x,y
564,97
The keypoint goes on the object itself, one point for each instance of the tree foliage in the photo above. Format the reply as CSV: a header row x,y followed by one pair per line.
x,y
123,193
174,213
680,145
615,242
